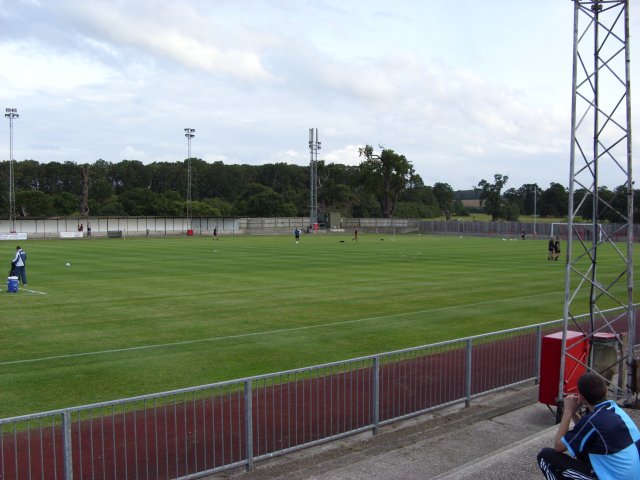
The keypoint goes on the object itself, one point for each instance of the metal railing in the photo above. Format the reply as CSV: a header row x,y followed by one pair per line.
x,y
194,432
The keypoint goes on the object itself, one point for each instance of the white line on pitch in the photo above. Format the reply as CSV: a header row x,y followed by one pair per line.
x,y
33,291
266,332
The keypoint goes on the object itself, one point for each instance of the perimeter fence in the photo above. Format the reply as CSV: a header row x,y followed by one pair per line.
x,y
176,226
617,232
194,432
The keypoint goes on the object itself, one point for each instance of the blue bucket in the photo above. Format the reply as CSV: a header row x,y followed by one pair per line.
x,y
12,284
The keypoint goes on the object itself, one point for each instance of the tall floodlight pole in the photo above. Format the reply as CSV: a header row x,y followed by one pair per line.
x,y
314,146
599,262
11,114
189,133
535,208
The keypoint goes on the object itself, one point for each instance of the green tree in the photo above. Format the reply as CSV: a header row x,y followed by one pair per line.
x,y
444,194
339,187
219,207
33,203
202,209
618,203
129,174
111,206
171,204
270,204
459,209
65,203
385,175
138,202
491,196
530,195
555,201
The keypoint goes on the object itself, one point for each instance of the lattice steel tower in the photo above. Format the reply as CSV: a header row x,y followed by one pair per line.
x,y
189,133
599,262
314,146
11,114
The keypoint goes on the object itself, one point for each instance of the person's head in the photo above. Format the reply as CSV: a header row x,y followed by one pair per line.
x,y
18,247
592,388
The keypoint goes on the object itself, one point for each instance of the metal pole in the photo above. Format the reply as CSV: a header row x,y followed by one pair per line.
x,y
567,276
596,7
248,424
375,395
67,445
535,205
468,373
11,113
189,133
631,317
314,146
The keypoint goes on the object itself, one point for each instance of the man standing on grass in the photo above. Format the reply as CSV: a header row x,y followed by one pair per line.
x,y
19,264
296,234
604,444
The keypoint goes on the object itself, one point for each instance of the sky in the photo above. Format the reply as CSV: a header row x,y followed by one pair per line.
x,y
464,90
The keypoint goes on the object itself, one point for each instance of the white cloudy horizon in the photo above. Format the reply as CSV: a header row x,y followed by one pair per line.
x,y
464,90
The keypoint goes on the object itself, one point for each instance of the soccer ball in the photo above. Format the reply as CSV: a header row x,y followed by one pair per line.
x,y
67,264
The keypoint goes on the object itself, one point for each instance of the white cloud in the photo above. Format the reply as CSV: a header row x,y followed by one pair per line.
x,y
347,155
35,68
463,91
131,153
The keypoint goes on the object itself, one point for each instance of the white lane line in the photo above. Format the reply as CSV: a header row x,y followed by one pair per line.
x,y
33,291
266,332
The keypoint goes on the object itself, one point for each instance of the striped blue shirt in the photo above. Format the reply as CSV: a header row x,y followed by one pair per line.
x,y
609,440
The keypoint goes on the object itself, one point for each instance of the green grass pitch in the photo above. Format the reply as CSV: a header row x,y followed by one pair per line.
x,y
137,316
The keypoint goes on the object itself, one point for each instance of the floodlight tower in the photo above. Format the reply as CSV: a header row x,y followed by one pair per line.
x,y
189,133
314,146
11,114
599,262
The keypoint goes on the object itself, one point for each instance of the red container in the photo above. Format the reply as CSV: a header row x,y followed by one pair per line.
x,y
190,233
575,361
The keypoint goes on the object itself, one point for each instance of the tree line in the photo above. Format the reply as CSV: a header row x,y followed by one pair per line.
x,y
384,184
530,199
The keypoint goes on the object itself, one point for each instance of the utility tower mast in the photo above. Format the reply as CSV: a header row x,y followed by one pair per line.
x,y
599,263
11,114
189,133
314,146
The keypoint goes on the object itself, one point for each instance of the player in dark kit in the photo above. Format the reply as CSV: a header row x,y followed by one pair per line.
x,y
556,249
